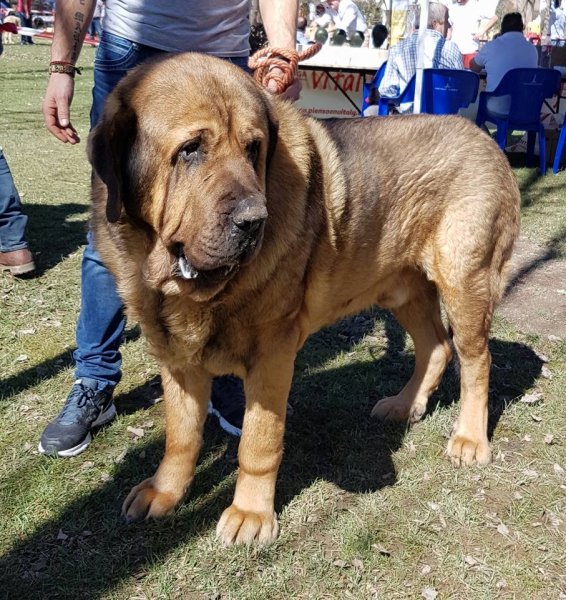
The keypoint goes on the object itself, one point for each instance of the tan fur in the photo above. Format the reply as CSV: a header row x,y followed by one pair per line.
x,y
400,212
7,36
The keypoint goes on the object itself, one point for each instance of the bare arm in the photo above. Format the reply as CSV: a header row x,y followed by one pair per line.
x,y
280,22
71,25
487,27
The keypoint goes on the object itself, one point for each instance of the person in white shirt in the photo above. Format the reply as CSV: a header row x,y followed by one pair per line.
x,y
323,19
511,50
465,17
348,17
557,24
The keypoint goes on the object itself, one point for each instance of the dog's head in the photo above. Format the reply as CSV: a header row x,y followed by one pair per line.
x,y
183,149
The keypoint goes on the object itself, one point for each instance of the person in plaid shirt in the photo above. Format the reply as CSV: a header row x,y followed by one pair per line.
x,y
439,54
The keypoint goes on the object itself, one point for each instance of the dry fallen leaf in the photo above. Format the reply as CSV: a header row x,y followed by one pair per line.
x,y
61,535
106,477
531,398
546,372
541,356
517,496
87,465
121,456
381,549
136,431
554,338
527,438
412,449
433,506
548,439
371,338
426,569
22,358
339,563
429,593
536,418
558,469
502,529
470,560
26,331
147,424
530,473
358,564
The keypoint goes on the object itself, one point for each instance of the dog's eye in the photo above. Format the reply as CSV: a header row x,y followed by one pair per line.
x,y
253,151
189,152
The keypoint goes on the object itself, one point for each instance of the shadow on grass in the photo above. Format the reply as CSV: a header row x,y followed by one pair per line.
x,y
51,236
50,368
330,437
553,249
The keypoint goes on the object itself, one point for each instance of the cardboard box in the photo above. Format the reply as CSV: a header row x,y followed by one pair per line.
x,y
551,138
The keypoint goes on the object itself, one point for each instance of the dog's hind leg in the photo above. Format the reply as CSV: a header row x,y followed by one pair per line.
x,y
420,317
185,395
470,308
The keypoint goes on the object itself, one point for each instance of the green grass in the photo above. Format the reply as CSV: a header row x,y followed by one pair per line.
x,y
366,510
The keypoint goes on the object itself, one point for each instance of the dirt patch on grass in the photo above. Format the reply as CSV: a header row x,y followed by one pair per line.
x,y
536,298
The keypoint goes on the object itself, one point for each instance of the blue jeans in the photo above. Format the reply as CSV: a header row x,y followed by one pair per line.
x,y
12,220
102,320
95,28
26,22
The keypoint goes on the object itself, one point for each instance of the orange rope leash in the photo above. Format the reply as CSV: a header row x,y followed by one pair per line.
x,y
287,59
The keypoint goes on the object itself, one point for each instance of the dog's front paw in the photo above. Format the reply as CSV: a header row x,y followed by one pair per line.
x,y
245,527
398,408
145,501
464,450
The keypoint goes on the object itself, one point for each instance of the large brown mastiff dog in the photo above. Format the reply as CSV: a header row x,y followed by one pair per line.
x,y
235,227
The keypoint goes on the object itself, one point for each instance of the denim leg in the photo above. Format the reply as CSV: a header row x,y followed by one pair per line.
x,y
12,220
101,322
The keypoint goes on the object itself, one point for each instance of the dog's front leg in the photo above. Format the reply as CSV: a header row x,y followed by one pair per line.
x,y
251,517
186,395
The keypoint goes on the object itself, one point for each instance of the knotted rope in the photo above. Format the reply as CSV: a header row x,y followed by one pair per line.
x,y
287,59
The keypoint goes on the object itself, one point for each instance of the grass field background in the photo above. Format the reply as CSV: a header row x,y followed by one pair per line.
x,y
366,510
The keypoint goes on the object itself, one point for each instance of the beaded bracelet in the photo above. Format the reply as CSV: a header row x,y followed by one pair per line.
x,y
62,66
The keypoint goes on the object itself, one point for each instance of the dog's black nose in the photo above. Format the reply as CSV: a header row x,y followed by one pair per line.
x,y
249,216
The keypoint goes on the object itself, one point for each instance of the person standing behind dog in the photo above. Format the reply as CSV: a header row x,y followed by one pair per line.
x,y
15,256
24,12
134,30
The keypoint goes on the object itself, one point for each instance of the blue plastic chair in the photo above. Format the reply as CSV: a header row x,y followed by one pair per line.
x,y
559,149
446,91
407,95
527,89
374,83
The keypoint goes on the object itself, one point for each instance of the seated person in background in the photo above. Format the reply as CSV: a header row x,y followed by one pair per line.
x,y
323,19
379,34
348,17
439,53
302,32
510,50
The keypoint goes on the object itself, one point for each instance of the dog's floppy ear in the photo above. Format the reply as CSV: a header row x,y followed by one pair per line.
x,y
272,129
108,149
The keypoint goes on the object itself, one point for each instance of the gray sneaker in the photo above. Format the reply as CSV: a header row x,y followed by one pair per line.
x,y
68,434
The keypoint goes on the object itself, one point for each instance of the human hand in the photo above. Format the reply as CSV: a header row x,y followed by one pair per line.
x,y
56,106
292,92
476,36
